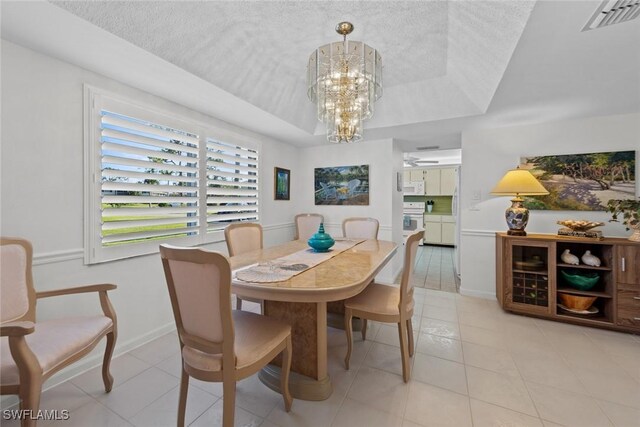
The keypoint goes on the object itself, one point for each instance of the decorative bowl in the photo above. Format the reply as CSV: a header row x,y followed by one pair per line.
x,y
532,264
321,241
580,225
576,302
581,281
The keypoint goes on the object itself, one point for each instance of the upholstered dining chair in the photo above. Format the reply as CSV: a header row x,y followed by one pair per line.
x,y
360,228
389,304
31,351
219,344
307,225
356,228
243,237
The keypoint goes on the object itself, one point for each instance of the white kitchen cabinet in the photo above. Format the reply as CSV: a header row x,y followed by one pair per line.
x,y
448,233
407,175
417,175
440,182
433,232
447,181
447,218
439,229
432,182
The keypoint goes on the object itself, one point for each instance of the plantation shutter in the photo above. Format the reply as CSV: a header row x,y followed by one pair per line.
x,y
232,184
149,183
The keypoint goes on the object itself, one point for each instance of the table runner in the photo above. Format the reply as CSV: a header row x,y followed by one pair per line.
x,y
284,268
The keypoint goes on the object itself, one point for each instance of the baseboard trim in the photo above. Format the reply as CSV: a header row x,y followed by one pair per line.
x,y
476,293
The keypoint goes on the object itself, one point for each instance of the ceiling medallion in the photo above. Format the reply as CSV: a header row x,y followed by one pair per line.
x,y
344,80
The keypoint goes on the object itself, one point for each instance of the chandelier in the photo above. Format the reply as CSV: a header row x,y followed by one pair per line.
x,y
344,80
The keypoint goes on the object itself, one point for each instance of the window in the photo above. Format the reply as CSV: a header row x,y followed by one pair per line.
x,y
232,184
154,177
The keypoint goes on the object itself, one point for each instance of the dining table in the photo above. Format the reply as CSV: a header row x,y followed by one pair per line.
x,y
301,301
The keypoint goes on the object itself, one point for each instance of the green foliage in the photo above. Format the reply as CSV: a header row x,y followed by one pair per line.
x,y
339,174
628,209
603,168
535,204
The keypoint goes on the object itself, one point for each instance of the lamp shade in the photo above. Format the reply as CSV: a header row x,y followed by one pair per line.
x,y
519,181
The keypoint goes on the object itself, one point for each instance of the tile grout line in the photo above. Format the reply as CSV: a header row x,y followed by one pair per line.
x,y
464,363
519,376
350,385
572,370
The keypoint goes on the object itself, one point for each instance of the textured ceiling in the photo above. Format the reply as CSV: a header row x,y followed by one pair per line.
x,y
448,57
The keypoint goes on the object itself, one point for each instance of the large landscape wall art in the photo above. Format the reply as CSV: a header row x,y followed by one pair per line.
x,y
582,181
342,185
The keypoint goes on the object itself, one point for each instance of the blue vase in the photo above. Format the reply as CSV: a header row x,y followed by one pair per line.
x,y
321,241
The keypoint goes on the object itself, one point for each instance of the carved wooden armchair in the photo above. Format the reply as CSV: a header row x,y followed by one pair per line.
x,y
30,351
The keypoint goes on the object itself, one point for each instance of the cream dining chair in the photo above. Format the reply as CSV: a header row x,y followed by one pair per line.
x,y
357,228
307,225
219,344
360,228
389,304
243,237
30,351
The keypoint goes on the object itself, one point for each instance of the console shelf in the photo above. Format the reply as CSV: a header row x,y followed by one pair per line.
x,y
584,267
585,293
529,279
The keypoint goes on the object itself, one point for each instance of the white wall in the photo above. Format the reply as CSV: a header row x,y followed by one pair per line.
x,y
42,193
385,202
488,154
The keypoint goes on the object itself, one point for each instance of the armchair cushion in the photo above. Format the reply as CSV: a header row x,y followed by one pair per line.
x,y
53,342
255,337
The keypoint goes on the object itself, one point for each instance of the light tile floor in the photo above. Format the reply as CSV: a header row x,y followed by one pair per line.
x,y
475,365
434,268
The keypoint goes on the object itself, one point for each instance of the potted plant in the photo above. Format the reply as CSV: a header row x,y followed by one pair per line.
x,y
629,213
430,204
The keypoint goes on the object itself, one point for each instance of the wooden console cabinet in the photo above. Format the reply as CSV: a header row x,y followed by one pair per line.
x,y
528,278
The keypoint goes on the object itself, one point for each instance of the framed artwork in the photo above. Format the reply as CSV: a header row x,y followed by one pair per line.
x,y
584,182
282,184
342,185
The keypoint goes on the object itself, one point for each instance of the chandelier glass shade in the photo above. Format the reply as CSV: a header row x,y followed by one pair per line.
x,y
344,80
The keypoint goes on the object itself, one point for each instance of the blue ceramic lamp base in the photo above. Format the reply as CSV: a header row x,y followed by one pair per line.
x,y
517,217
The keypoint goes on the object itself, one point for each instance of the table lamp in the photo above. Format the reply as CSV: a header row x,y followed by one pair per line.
x,y
518,182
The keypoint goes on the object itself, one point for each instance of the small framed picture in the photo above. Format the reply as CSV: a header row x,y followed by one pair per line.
x,y
399,181
282,184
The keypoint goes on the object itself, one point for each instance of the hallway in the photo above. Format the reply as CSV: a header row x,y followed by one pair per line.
x,y
434,268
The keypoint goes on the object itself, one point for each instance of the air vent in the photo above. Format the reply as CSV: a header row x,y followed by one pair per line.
x,y
432,147
613,12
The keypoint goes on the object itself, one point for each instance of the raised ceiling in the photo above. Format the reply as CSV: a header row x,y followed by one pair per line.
x,y
496,74
441,59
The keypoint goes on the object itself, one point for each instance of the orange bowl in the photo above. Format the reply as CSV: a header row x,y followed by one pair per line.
x,y
576,302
